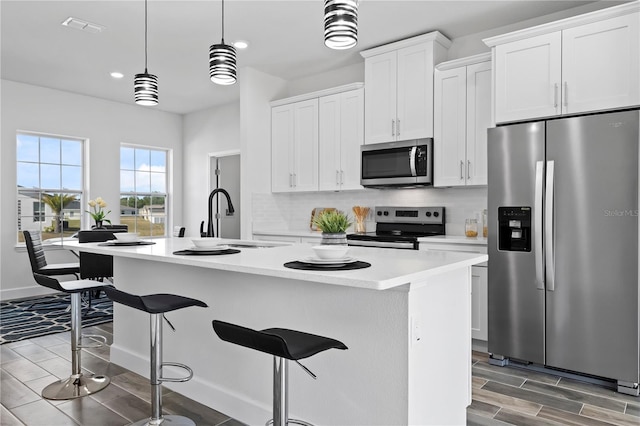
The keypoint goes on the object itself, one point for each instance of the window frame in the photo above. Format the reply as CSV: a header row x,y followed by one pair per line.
x,y
26,221
139,194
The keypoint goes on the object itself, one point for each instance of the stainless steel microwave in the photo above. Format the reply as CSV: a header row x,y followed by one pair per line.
x,y
397,164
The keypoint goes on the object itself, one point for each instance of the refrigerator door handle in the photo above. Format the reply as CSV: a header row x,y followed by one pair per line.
x,y
549,229
537,217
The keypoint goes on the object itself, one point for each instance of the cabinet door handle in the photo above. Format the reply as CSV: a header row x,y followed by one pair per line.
x,y
393,127
398,127
341,177
337,177
555,95
461,170
290,180
565,93
468,169
294,180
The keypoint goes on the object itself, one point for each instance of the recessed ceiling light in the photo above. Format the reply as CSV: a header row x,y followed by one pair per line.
x,y
117,74
240,44
79,24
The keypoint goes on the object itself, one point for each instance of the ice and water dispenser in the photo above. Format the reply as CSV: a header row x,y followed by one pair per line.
x,y
514,228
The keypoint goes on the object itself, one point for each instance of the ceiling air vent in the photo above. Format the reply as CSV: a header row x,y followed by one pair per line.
x,y
79,24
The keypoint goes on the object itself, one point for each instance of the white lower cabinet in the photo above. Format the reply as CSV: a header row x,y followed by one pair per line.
x,y
479,303
479,282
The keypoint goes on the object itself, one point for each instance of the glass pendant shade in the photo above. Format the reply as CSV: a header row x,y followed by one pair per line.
x,y
145,88
222,64
340,23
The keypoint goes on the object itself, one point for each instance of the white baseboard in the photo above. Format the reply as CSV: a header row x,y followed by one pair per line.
x,y
23,292
206,393
479,345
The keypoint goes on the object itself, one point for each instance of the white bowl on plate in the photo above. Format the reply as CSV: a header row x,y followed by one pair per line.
x,y
126,237
331,251
206,242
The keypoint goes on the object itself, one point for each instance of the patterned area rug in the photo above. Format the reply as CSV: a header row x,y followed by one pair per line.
x,y
19,320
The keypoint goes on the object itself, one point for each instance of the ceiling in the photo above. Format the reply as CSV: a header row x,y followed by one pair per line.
x,y
285,40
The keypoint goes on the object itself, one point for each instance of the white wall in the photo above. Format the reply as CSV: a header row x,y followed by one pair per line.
x,y
257,89
205,132
105,124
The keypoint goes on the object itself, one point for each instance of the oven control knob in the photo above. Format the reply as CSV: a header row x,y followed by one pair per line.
x,y
436,214
428,214
379,213
386,213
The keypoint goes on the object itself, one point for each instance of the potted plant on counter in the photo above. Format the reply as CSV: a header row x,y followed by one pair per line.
x,y
333,224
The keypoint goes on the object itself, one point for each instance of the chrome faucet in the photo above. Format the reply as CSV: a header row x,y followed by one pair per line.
x,y
230,212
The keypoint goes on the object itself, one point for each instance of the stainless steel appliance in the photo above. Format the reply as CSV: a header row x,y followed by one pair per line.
x,y
563,246
397,164
400,227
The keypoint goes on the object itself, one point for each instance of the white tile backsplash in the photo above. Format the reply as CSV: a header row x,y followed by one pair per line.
x,y
272,210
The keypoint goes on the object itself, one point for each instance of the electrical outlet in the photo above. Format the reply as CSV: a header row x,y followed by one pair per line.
x,y
416,328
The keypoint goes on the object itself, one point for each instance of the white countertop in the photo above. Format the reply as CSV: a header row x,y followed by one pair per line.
x,y
454,239
389,267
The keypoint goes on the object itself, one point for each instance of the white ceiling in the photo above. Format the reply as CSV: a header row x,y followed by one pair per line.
x,y
285,40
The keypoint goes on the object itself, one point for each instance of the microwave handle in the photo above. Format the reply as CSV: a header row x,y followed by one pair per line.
x,y
412,161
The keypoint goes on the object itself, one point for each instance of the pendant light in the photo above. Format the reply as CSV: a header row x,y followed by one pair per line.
x,y
222,60
340,23
145,85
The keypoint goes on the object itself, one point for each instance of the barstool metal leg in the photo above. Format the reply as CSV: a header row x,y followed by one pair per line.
x,y
281,395
78,384
155,379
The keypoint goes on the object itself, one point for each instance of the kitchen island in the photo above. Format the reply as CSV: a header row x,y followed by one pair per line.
x,y
405,319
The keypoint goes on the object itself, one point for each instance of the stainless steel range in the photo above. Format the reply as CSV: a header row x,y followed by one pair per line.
x,y
400,227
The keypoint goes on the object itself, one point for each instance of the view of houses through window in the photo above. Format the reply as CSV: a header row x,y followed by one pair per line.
x,y
49,184
143,190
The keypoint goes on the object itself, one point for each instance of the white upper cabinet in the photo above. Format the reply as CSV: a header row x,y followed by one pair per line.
x,y
399,88
315,140
462,115
582,64
294,147
528,78
341,135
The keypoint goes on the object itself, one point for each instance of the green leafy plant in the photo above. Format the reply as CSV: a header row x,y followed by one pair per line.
x,y
332,221
57,203
98,214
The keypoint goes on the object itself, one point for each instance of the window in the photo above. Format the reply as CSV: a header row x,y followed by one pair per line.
x,y
143,190
49,184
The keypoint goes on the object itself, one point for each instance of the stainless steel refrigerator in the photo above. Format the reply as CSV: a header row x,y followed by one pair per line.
x,y
563,245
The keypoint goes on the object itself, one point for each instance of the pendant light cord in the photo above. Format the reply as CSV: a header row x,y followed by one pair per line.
x,y
145,36
222,21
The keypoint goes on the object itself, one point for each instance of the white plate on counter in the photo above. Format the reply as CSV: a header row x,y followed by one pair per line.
x,y
318,261
212,248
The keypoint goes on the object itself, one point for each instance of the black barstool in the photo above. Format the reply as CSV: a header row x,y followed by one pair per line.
x,y
284,345
78,384
157,305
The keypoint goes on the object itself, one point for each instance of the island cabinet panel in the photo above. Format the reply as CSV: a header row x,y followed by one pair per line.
x,y
582,64
461,119
294,147
398,317
341,135
399,88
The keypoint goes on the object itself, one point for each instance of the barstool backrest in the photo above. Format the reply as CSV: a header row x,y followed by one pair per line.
x,y
127,299
49,282
258,340
33,241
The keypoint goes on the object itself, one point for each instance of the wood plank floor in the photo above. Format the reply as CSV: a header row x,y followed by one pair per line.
x,y
501,396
